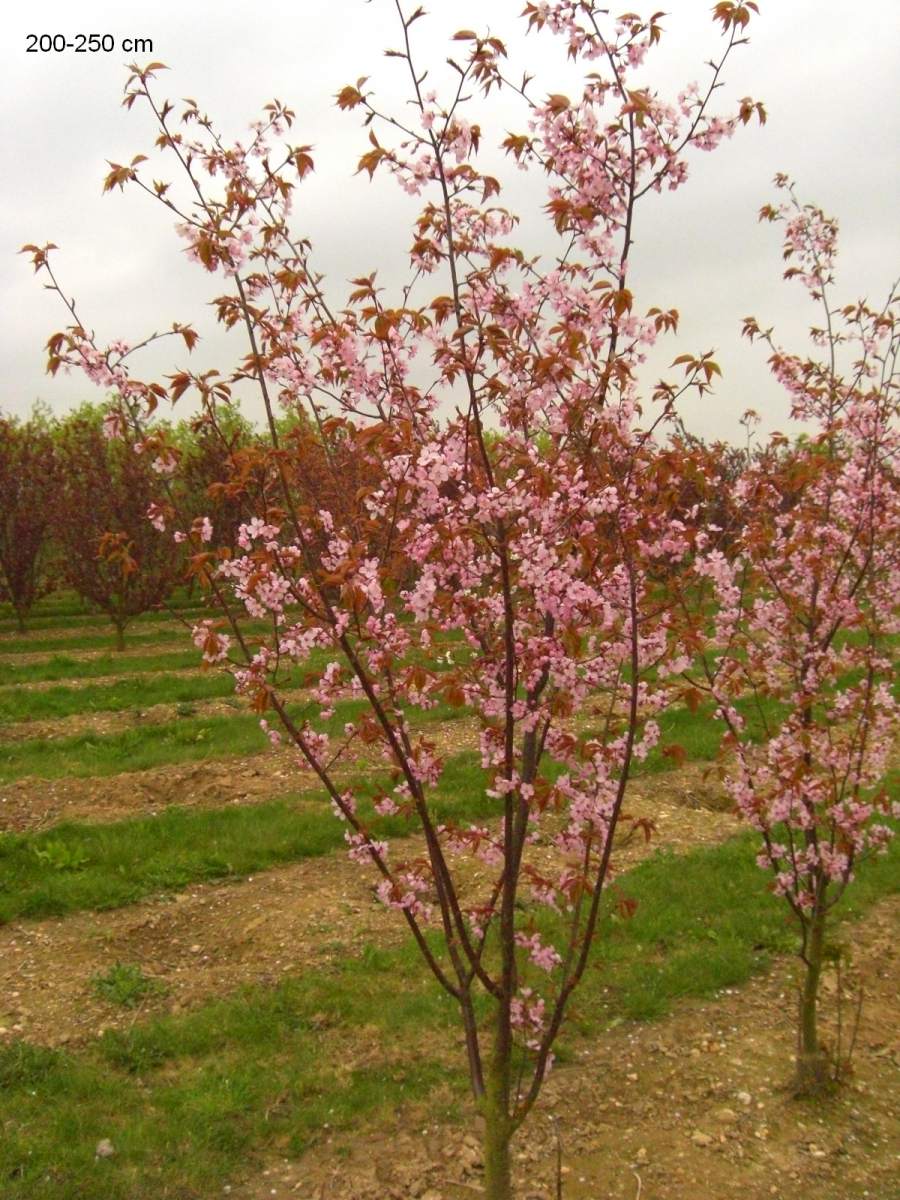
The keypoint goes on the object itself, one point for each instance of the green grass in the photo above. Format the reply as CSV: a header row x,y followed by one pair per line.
x,y
61,666
138,749
705,921
125,985
702,922
182,740
64,667
93,641
67,604
191,1101
62,603
185,1135
136,692
72,616
60,854
76,866
170,631
127,860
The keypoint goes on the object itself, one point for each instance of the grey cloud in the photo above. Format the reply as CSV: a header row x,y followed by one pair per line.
x,y
828,80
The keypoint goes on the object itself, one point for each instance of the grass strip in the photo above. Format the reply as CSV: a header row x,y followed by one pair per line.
x,y
69,616
66,600
80,866
186,740
139,691
193,1100
138,749
166,631
76,866
703,921
182,740
62,667
135,692
170,632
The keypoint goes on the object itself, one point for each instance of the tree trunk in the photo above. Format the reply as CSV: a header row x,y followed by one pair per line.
x,y
498,1129
812,1062
20,622
120,636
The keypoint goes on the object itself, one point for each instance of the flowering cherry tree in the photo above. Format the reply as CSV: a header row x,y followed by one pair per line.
x,y
109,552
801,667
27,484
216,470
511,512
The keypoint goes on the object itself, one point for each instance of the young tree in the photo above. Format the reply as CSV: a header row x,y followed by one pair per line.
x,y
807,606
221,473
110,553
27,485
526,553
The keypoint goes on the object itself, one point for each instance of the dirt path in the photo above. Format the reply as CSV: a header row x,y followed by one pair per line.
x,y
213,938
32,804
691,1107
103,723
178,641
96,628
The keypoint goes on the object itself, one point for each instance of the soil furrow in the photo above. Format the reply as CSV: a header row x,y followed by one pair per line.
x,y
106,722
170,646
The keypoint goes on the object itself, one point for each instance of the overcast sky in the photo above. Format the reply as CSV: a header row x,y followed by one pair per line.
x,y
826,71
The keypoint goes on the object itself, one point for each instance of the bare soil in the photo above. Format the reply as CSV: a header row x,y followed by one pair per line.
x,y
33,804
105,722
179,642
95,628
